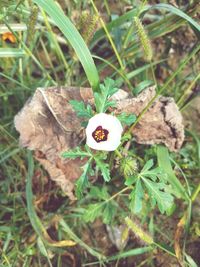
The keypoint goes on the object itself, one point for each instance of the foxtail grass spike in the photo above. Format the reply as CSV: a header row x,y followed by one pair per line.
x,y
32,23
144,39
139,232
88,24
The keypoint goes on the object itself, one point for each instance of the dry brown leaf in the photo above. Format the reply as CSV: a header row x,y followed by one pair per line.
x,y
48,125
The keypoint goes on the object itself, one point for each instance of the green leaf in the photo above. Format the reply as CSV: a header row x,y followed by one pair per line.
x,y
190,260
99,193
109,212
104,169
36,223
127,119
107,89
130,180
68,230
179,13
157,194
93,211
165,164
76,153
42,247
131,253
74,38
147,166
158,189
141,86
154,174
12,52
106,210
136,197
82,182
81,110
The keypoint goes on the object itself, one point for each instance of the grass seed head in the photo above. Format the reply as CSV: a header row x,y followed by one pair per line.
x,y
144,39
139,232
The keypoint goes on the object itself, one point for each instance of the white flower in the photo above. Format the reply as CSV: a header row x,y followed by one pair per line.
x,y
104,132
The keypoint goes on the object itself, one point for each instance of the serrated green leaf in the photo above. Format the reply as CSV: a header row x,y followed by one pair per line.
x,y
130,180
109,212
82,182
158,195
102,101
147,166
157,187
93,211
104,169
127,119
99,193
154,174
76,153
81,109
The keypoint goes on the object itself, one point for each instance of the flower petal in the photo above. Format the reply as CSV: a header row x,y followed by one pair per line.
x,y
107,123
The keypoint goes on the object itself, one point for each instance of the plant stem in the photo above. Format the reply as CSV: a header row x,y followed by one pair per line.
x,y
184,62
109,36
118,154
187,91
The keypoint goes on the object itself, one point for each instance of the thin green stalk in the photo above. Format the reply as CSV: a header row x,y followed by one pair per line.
x,y
153,74
49,60
73,236
14,81
109,36
138,231
58,50
170,79
74,38
118,153
164,249
107,7
127,36
29,53
116,69
188,90
20,61
195,193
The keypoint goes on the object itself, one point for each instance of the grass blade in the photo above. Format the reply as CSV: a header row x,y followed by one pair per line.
x,y
131,252
72,235
179,13
35,221
74,38
11,52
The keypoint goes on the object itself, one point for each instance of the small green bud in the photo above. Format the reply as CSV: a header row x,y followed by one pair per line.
x,y
128,166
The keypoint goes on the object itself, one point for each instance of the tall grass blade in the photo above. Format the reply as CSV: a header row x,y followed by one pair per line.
x,y
12,52
73,236
179,13
35,221
74,38
131,252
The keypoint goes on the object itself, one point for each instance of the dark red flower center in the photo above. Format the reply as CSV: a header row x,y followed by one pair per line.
x,y
100,134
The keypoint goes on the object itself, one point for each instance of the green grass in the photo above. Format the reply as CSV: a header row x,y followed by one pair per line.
x,y
56,54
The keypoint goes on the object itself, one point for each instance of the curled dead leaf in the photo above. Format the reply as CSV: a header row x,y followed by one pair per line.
x,y
48,125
